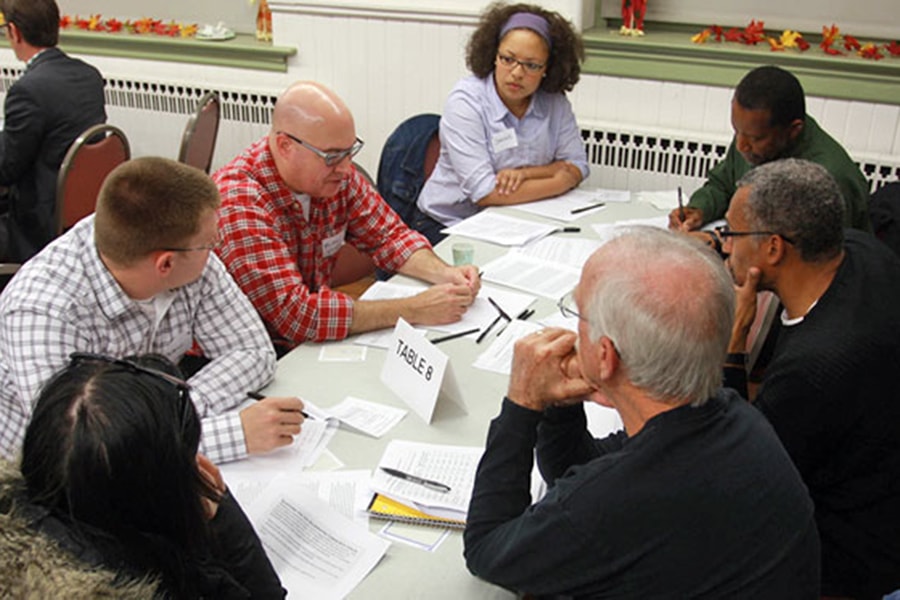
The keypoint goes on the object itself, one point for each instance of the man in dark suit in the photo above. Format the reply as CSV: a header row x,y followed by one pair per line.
x,y
55,99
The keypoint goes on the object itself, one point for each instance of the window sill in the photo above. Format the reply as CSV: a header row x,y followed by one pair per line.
x,y
243,51
666,53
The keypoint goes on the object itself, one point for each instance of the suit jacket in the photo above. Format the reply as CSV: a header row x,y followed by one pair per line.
x,y
55,100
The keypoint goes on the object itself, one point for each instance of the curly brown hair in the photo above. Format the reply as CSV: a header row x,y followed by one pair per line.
x,y
566,53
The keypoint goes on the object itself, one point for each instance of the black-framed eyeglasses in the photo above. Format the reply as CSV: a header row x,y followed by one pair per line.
x,y
330,158
725,231
181,385
510,63
566,306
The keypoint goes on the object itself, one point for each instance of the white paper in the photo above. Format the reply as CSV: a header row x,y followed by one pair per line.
x,y
454,466
533,275
560,208
498,356
572,252
316,551
370,418
608,231
342,353
386,290
499,229
411,534
663,200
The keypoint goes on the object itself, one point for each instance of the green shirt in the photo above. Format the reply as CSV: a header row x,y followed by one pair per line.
x,y
814,145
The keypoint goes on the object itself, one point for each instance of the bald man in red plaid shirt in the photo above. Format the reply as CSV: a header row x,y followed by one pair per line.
x,y
292,199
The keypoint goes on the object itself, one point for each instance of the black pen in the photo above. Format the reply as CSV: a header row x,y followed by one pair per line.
x,y
453,336
525,314
680,205
431,485
499,310
489,327
567,230
581,209
258,396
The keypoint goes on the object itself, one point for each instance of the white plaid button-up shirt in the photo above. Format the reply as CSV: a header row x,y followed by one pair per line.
x,y
64,300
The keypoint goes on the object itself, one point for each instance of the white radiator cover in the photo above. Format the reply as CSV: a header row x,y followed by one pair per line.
x,y
622,156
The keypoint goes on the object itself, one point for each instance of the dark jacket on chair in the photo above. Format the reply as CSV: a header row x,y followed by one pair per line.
x,y
401,170
55,99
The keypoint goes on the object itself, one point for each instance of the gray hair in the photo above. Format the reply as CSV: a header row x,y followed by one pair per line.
x,y
667,303
798,199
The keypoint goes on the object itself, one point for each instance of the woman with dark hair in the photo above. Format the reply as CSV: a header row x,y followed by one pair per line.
x,y
112,475
508,133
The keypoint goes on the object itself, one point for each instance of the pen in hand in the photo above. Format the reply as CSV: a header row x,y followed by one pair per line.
x,y
258,396
431,485
680,205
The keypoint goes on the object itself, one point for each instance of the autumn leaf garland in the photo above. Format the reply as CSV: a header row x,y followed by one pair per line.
x,y
833,42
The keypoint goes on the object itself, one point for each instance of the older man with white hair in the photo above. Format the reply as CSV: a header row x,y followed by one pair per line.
x,y
695,498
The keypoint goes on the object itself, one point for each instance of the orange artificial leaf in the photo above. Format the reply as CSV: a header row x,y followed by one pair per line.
x,y
829,34
893,48
871,51
851,43
775,45
65,21
701,37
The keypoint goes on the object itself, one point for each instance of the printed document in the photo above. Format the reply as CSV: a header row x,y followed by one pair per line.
x,y
500,229
581,201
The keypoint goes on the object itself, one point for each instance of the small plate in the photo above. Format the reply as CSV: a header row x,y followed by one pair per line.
x,y
214,34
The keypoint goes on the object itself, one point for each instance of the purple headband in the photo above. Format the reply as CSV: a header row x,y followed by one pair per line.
x,y
536,23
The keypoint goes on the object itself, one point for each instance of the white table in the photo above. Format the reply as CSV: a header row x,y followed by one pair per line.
x,y
407,572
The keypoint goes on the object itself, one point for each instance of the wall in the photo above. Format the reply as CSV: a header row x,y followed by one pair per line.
x,y
389,62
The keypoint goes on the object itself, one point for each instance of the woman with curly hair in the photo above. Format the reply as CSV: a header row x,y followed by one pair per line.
x,y
508,133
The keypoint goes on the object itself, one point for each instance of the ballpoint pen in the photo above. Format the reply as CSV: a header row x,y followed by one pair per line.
x,y
680,205
453,336
581,209
567,230
258,396
499,310
487,329
431,485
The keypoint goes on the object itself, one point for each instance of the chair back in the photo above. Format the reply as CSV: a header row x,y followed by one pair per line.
x,y
407,160
198,143
90,158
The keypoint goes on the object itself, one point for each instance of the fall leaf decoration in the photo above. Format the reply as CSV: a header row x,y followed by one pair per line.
x,y
833,41
146,25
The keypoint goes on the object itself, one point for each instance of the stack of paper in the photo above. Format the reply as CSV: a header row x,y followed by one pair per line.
x,y
499,229
406,500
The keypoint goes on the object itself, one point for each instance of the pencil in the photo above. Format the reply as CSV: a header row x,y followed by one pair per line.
x,y
453,336
258,396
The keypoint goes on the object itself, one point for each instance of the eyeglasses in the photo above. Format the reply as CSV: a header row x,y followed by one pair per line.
x,y
510,63
330,158
725,231
181,385
566,306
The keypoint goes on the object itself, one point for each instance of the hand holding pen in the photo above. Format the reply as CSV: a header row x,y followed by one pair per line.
x,y
271,422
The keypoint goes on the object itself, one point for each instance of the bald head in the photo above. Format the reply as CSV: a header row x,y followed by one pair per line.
x,y
307,108
667,304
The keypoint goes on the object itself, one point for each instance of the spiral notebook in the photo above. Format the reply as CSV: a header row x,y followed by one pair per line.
x,y
383,507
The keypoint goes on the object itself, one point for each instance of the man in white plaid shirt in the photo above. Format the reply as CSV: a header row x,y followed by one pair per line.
x,y
139,277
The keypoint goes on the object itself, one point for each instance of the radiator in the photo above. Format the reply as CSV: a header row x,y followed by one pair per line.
x,y
642,159
153,115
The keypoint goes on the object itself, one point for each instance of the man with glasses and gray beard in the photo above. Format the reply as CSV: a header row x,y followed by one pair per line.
x,y
830,388
293,199
695,498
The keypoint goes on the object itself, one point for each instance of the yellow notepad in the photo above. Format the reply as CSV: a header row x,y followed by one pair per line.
x,y
382,507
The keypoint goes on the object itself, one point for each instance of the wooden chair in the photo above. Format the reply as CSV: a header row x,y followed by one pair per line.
x,y
90,158
198,143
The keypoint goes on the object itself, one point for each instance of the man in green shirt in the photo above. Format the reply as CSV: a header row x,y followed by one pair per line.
x,y
768,114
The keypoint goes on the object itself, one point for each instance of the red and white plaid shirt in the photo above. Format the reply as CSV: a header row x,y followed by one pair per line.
x,y
277,257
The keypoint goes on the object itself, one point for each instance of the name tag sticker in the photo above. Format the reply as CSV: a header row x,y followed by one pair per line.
x,y
504,140
332,244
418,372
